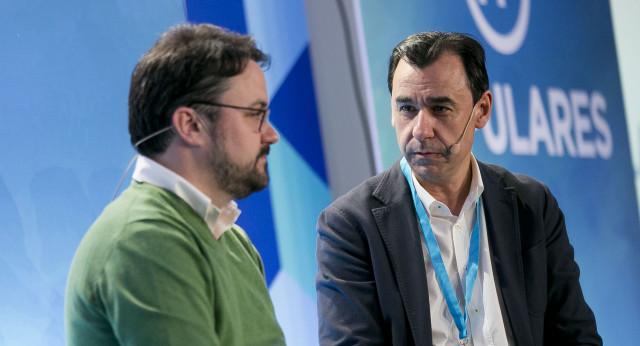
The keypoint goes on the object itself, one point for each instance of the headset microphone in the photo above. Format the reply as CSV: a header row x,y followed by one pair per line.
x,y
455,148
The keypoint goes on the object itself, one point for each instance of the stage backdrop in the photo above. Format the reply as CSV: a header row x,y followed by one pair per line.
x,y
65,69
558,116
64,78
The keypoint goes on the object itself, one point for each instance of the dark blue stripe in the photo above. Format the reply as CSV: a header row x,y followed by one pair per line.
x,y
229,14
257,221
294,113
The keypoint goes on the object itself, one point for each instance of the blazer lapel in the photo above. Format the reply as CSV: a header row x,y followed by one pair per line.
x,y
501,212
398,226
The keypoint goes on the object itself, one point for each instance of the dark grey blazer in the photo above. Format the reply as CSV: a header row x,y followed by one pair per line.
x,y
371,282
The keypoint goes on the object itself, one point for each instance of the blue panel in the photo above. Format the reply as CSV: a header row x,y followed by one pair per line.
x,y
297,201
280,27
295,310
229,14
257,221
295,115
298,191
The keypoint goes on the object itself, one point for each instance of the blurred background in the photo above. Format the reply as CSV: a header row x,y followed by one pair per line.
x,y
566,111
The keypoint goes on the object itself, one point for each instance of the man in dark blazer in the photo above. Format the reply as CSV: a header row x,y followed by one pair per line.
x,y
380,279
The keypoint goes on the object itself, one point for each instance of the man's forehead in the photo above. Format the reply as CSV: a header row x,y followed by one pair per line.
x,y
436,82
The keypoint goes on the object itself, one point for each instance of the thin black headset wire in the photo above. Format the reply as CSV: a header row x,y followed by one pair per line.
x,y
124,175
356,86
136,156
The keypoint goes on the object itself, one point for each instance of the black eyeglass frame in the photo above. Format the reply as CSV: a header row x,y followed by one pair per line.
x,y
264,112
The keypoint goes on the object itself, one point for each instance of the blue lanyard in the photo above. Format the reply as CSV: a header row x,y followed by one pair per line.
x,y
436,258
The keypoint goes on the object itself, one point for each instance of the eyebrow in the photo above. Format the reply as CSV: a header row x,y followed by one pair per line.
x,y
259,104
439,100
428,101
404,99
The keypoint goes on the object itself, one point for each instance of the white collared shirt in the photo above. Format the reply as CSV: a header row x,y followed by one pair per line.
x,y
218,220
453,234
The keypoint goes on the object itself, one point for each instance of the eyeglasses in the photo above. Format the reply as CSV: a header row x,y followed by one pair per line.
x,y
259,113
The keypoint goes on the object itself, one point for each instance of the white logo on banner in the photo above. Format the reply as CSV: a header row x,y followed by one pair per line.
x,y
510,42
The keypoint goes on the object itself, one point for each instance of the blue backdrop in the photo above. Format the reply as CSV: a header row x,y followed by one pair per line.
x,y
64,79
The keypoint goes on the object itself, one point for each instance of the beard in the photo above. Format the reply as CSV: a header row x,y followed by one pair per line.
x,y
239,181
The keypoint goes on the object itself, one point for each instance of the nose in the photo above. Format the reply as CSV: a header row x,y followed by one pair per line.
x,y
422,126
269,133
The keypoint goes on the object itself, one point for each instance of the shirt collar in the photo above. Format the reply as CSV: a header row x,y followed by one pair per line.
x,y
218,220
476,189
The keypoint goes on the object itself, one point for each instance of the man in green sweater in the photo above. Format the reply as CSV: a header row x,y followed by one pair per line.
x,y
165,263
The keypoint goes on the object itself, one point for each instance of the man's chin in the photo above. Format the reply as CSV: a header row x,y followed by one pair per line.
x,y
256,187
258,182
417,162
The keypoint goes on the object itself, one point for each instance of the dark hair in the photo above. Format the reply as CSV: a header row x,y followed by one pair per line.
x,y
188,63
423,49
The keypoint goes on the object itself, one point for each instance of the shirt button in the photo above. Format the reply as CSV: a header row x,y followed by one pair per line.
x,y
457,226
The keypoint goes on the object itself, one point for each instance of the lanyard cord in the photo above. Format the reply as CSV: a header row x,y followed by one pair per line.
x,y
436,258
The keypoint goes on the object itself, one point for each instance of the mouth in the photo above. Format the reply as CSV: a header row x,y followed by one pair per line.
x,y
425,152
264,152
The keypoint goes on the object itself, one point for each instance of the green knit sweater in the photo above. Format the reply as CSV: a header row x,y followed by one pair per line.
x,y
150,272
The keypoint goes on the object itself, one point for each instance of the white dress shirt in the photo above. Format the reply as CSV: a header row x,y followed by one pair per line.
x,y
453,234
218,220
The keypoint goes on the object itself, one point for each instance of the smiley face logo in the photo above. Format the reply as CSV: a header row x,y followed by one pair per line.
x,y
510,42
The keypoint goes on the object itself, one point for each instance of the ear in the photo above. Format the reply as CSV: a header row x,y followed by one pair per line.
x,y
483,109
189,130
